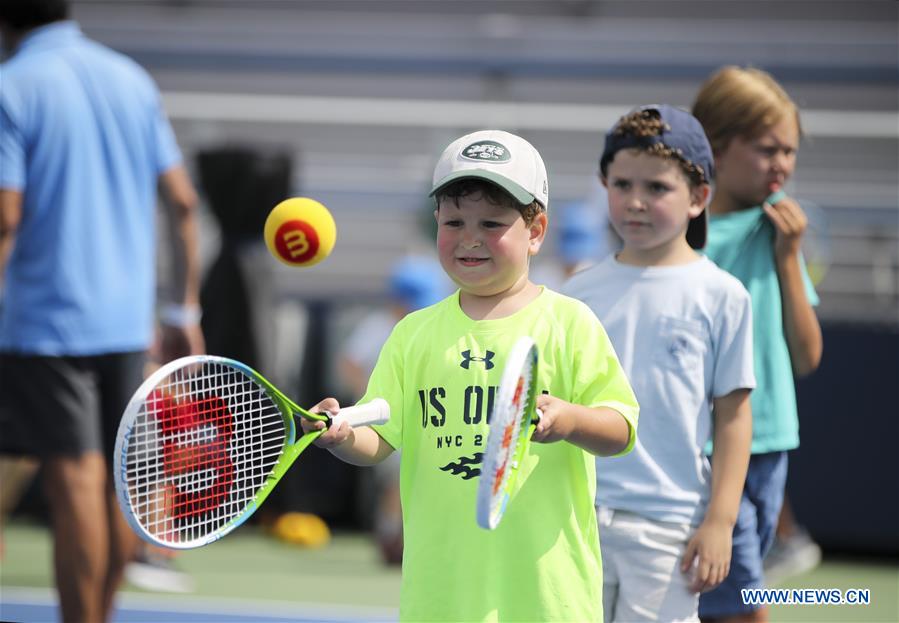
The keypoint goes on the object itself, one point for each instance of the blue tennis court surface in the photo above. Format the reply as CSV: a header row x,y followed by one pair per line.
x,y
33,605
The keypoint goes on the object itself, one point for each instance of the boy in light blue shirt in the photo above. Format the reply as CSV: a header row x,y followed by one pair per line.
x,y
682,329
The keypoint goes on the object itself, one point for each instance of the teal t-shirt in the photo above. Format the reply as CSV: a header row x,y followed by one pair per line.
x,y
742,243
439,370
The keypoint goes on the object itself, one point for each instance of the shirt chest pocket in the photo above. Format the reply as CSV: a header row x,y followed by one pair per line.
x,y
679,344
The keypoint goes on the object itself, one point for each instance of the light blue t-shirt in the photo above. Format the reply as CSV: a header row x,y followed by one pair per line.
x,y
683,335
83,137
742,243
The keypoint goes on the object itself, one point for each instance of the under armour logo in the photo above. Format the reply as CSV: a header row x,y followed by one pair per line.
x,y
467,359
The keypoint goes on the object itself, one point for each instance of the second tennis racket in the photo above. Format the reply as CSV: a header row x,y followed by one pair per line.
x,y
203,442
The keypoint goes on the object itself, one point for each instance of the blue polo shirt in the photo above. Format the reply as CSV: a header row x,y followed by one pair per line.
x,y
84,138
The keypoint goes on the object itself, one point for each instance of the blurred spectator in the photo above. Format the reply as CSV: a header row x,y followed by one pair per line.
x,y
83,144
583,238
415,282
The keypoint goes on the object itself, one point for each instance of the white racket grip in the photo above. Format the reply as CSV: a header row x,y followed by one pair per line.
x,y
375,412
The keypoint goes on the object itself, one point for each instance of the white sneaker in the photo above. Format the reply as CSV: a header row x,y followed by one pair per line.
x,y
790,557
158,574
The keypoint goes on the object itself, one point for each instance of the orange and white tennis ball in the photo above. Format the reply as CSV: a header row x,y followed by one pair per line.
x,y
300,232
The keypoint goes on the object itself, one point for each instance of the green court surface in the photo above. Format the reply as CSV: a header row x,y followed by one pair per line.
x,y
248,565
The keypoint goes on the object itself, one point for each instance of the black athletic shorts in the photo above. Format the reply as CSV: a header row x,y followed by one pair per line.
x,y
51,406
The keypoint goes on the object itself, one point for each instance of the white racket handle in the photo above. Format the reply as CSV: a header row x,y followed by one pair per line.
x,y
375,412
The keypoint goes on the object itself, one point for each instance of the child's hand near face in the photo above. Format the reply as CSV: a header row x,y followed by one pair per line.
x,y
708,554
790,223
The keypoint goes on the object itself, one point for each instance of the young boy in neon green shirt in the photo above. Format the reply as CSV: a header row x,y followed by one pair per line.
x,y
439,371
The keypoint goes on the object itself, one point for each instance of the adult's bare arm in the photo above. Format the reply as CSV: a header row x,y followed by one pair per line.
x,y
10,215
180,333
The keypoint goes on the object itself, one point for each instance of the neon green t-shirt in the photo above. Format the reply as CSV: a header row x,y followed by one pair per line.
x,y
439,370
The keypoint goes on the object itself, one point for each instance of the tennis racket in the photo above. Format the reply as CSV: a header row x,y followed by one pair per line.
x,y
203,442
817,244
512,422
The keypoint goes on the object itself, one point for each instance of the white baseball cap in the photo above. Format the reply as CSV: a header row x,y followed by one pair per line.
x,y
507,160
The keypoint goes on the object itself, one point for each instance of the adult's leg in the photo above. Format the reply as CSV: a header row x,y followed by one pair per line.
x,y
18,465
122,548
75,488
16,473
119,374
52,409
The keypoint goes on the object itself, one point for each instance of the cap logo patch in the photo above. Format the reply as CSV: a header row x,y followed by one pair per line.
x,y
486,151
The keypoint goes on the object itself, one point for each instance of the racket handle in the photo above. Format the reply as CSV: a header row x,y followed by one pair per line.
x,y
375,412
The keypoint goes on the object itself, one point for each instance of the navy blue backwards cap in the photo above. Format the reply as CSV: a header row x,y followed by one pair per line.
x,y
684,134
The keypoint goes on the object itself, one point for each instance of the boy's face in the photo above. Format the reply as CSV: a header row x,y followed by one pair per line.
x,y
485,247
651,202
748,170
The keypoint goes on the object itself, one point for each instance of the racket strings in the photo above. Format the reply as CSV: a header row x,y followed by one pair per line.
x,y
203,443
508,415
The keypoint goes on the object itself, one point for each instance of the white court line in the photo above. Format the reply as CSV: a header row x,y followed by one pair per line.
x,y
214,605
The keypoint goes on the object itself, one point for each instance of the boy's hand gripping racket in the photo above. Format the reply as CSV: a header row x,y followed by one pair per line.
x,y
203,442
512,423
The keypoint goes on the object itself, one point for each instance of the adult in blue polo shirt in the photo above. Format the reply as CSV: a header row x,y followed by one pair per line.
x,y
83,145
